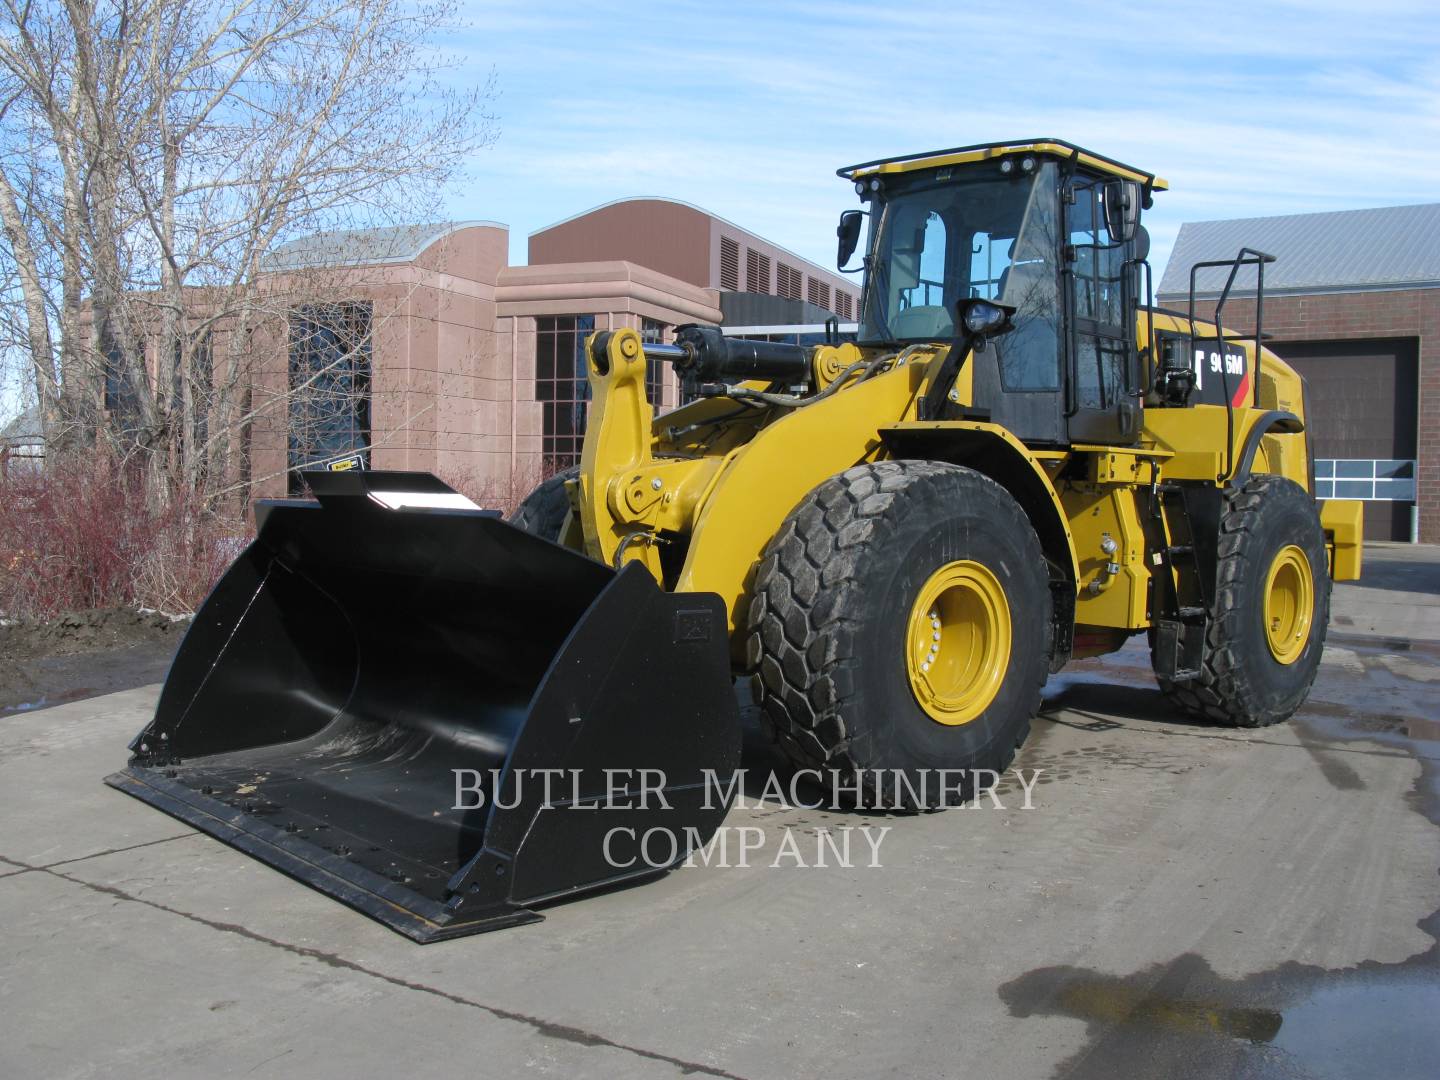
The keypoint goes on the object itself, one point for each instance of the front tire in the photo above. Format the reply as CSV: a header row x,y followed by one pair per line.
x,y
840,630
543,511
1271,609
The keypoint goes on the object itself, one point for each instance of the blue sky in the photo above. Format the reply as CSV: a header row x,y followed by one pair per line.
x,y
747,109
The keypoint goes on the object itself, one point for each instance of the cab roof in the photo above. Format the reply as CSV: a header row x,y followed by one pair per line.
x,y
961,155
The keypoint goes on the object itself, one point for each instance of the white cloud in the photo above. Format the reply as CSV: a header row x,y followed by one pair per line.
x,y
748,108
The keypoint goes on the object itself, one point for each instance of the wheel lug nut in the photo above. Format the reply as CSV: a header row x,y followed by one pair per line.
x,y
925,667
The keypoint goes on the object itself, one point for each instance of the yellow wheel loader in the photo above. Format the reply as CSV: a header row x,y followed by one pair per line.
x,y
1018,461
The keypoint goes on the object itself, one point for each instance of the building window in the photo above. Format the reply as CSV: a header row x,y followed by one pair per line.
x,y
843,306
818,293
729,265
787,281
329,386
652,332
757,272
1373,480
562,384
122,401
117,380
200,380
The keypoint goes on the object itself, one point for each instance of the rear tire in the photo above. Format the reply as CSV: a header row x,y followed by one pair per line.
x,y
833,619
1260,663
543,511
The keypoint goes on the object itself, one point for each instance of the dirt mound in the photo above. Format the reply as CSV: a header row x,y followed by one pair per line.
x,y
49,662
88,631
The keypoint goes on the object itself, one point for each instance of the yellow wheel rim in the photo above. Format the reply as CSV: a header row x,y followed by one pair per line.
x,y
1289,604
957,642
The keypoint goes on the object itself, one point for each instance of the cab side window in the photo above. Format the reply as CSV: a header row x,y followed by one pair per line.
x,y
1097,298
923,282
989,261
1029,282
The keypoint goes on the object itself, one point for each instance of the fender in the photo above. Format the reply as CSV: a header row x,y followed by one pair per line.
x,y
1274,420
765,479
995,451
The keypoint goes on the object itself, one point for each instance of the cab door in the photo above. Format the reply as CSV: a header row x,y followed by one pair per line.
x,y
1017,378
1102,405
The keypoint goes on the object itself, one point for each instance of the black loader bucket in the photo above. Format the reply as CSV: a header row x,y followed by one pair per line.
x,y
376,659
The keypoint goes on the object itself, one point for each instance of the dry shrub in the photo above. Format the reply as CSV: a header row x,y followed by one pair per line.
x,y
75,537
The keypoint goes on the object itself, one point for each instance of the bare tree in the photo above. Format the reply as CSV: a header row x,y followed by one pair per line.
x,y
153,152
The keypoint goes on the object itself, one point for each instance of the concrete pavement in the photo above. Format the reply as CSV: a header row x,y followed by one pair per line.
x,y
1398,596
1181,900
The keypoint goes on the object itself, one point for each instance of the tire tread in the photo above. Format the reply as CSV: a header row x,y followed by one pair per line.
x,y
807,608
1222,692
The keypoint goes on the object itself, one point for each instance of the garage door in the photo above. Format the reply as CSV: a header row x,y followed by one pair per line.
x,y
1362,417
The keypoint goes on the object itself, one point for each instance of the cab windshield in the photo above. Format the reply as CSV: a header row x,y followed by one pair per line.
x,y
937,241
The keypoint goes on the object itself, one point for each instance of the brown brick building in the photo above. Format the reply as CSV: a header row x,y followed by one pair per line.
x,y
438,355
1353,303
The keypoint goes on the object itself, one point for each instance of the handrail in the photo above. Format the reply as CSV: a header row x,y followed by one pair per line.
x,y
1257,259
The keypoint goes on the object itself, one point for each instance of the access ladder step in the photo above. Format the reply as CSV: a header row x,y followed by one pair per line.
x,y
1179,650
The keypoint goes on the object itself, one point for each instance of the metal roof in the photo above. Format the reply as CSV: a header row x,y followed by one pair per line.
x,y
1389,247
24,429
367,247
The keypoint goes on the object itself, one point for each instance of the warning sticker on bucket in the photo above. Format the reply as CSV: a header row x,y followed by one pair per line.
x,y
692,625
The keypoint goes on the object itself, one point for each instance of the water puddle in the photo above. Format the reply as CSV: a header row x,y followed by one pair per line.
x,y
25,706
1182,1018
77,694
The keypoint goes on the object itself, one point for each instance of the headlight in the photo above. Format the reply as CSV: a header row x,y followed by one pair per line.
x,y
983,317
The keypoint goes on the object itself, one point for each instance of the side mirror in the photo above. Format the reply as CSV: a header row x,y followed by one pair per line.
x,y
849,233
1122,210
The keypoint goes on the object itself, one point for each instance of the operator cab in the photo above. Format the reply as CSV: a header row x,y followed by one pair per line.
x,y
1043,227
